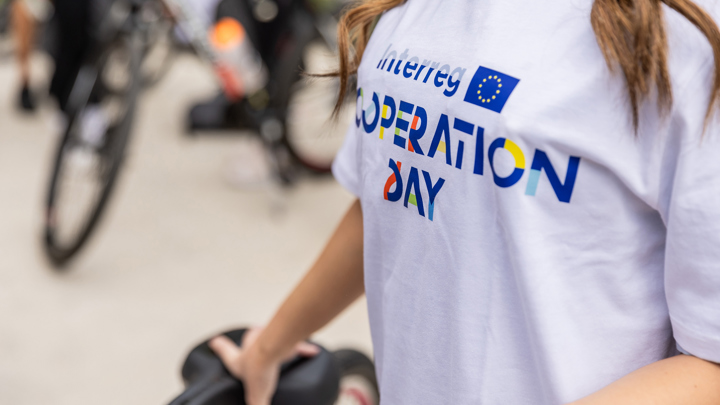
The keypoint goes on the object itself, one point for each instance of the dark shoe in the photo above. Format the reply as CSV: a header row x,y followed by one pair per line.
x,y
219,113
27,101
210,114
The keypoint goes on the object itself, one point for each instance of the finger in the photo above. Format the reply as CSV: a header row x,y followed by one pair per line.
x,y
227,350
307,349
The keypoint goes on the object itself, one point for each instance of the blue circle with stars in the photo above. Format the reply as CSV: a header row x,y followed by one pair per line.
x,y
489,88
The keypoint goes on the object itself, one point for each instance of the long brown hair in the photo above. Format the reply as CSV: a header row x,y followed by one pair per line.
x,y
631,35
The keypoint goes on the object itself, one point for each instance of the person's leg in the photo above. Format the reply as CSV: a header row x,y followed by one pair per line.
x,y
73,19
23,26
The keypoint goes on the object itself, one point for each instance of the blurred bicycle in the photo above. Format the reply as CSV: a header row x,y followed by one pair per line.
x,y
291,115
100,111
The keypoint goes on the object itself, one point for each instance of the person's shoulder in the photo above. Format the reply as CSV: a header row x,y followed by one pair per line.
x,y
689,51
711,6
683,33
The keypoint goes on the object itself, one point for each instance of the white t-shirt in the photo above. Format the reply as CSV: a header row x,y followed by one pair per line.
x,y
522,244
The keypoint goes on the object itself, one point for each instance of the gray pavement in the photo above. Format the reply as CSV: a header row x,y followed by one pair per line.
x,y
180,254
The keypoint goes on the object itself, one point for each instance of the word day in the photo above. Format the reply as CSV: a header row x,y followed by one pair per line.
x,y
407,124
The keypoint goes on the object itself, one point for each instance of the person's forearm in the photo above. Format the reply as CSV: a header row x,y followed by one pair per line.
x,y
678,380
332,284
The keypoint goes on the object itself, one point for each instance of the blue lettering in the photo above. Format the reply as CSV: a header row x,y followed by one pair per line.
x,y
376,108
410,67
413,184
433,191
443,128
382,58
416,134
465,127
517,173
423,66
563,191
441,75
359,94
453,85
479,146
395,178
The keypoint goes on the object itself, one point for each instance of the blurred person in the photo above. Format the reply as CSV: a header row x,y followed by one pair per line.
x,y
73,38
77,21
537,218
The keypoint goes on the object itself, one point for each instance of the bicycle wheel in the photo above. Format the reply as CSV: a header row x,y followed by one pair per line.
x,y
358,384
91,151
159,44
313,137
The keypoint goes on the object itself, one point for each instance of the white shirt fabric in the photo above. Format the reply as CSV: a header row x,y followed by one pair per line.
x,y
564,251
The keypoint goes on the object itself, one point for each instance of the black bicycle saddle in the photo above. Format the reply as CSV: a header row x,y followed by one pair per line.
x,y
303,381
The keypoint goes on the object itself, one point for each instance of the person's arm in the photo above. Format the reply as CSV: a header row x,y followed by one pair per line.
x,y
332,284
679,380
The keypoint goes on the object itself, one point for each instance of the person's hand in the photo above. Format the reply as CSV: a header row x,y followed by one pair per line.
x,y
257,370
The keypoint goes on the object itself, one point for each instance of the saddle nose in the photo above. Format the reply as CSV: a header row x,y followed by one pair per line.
x,y
303,381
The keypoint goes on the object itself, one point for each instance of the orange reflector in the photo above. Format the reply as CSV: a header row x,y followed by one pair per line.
x,y
228,32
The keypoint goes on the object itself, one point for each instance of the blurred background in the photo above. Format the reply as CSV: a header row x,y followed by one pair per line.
x,y
206,169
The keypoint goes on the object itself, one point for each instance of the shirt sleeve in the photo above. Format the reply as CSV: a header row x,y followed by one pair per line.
x,y
692,255
346,166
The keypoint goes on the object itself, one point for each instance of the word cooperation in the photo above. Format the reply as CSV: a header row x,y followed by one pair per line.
x,y
488,89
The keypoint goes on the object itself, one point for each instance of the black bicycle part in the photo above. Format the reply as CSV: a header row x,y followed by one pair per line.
x,y
109,155
358,383
283,43
156,26
287,78
303,381
159,49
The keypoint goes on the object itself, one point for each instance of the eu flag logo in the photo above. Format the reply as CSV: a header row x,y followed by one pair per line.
x,y
490,89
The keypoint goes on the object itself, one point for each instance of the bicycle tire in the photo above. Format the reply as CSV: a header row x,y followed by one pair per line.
x,y
307,124
154,68
159,40
314,136
113,150
358,383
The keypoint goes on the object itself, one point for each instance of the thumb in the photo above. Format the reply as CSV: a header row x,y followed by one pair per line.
x,y
229,353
